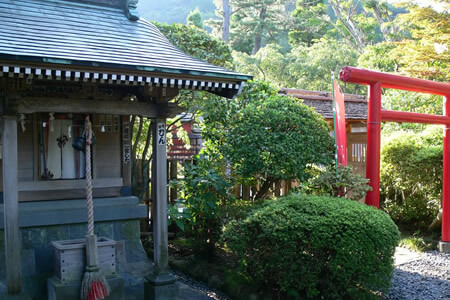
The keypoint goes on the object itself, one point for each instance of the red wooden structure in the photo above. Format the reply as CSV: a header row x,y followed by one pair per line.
x,y
378,80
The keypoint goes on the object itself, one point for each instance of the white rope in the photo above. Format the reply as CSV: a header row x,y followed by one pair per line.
x,y
90,204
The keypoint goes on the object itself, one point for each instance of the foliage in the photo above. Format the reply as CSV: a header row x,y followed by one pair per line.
x,y
307,27
266,137
204,191
316,247
312,66
338,183
377,57
198,43
423,48
411,102
420,47
411,176
419,242
355,22
269,64
195,18
308,67
257,22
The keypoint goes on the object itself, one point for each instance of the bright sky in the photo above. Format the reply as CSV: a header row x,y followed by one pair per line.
x,y
437,6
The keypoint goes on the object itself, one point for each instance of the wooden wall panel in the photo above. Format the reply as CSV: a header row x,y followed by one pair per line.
x,y
107,153
25,153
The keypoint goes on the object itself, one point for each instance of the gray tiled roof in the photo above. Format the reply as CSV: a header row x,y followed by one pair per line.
x,y
322,102
353,110
92,35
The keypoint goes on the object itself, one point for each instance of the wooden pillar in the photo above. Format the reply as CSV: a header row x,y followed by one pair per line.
x,y
126,145
11,205
159,196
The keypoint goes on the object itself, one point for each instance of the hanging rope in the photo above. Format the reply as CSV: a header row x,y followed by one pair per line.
x,y
90,204
94,285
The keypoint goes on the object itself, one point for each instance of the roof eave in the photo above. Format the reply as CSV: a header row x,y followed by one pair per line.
x,y
49,60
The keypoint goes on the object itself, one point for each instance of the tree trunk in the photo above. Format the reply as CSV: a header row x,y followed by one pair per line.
x,y
437,222
349,24
259,31
226,21
384,29
263,191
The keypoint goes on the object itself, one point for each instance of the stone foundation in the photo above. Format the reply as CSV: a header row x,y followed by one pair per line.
x,y
119,221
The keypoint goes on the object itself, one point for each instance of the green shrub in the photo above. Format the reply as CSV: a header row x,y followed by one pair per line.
x,y
313,247
411,176
203,192
340,183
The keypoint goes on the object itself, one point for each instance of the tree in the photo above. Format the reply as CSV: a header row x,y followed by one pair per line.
x,y
257,21
312,66
269,64
308,27
221,26
195,18
226,20
422,50
360,23
198,43
266,137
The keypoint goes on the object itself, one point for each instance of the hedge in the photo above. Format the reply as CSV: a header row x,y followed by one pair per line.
x,y
316,247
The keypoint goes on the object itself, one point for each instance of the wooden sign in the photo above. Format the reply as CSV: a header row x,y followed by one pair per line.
x,y
161,134
126,153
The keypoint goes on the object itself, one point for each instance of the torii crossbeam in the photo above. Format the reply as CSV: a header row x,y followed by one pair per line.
x,y
376,81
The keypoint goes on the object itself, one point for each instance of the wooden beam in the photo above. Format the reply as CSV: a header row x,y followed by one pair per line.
x,y
11,205
53,185
30,105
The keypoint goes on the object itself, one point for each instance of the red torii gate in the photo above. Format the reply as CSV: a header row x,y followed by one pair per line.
x,y
376,81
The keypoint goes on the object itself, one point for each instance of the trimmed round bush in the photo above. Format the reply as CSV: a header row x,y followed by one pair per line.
x,y
316,247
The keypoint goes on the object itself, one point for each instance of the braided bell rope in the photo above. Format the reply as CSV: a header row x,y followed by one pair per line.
x,y
90,203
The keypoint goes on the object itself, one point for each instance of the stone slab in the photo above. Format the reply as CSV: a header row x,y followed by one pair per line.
x,y
57,212
71,291
403,256
161,287
444,247
161,292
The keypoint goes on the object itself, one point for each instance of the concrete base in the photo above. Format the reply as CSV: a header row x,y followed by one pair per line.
x,y
161,287
71,291
444,247
21,296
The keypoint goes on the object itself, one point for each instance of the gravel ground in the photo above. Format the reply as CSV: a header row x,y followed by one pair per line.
x,y
427,277
201,287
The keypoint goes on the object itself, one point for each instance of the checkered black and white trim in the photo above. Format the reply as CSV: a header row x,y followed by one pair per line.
x,y
113,78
